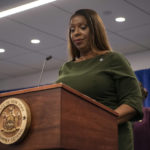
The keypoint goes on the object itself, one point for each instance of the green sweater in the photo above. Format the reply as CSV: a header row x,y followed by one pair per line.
x,y
109,80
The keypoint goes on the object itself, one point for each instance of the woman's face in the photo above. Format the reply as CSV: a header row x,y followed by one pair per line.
x,y
80,33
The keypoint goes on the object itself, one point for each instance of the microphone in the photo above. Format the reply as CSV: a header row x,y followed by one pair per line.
x,y
49,57
44,63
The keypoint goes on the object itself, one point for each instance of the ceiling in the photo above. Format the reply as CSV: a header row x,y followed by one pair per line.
x,y
49,23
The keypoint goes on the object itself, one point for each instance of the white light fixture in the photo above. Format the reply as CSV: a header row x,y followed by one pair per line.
x,y
35,41
24,7
2,50
120,19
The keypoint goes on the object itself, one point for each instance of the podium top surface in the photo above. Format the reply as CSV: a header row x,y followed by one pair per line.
x,y
59,85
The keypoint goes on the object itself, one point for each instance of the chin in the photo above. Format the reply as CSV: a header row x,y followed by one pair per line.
x,y
82,48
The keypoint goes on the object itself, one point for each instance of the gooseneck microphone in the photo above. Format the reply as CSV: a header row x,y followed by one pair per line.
x,y
49,57
44,63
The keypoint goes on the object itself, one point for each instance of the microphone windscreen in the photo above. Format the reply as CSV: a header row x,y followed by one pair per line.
x,y
48,58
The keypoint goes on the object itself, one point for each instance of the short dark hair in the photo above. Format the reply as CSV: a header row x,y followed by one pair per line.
x,y
144,91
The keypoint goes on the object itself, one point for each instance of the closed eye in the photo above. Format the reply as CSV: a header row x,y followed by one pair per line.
x,y
72,29
83,27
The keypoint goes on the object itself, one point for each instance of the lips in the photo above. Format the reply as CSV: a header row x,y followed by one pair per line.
x,y
78,41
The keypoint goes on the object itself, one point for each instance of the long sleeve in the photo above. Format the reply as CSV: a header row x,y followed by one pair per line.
x,y
127,86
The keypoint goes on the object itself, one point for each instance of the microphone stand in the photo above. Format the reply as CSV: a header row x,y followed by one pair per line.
x,y
47,58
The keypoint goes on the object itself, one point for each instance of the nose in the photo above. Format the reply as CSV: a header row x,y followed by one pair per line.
x,y
77,32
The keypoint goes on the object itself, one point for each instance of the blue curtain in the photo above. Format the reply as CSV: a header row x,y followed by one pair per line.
x,y
144,77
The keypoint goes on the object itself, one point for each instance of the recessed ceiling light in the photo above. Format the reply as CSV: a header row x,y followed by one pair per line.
x,y
120,19
2,50
24,7
35,41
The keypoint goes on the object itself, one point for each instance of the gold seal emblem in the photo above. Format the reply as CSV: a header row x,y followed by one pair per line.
x,y
15,118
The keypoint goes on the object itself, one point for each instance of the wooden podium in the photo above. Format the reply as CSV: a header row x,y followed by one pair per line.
x,y
63,118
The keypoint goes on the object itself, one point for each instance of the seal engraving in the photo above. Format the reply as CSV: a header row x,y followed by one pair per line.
x,y
15,119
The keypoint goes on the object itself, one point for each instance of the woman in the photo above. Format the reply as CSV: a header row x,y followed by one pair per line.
x,y
106,76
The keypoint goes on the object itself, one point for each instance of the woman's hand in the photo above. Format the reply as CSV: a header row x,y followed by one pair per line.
x,y
125,113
